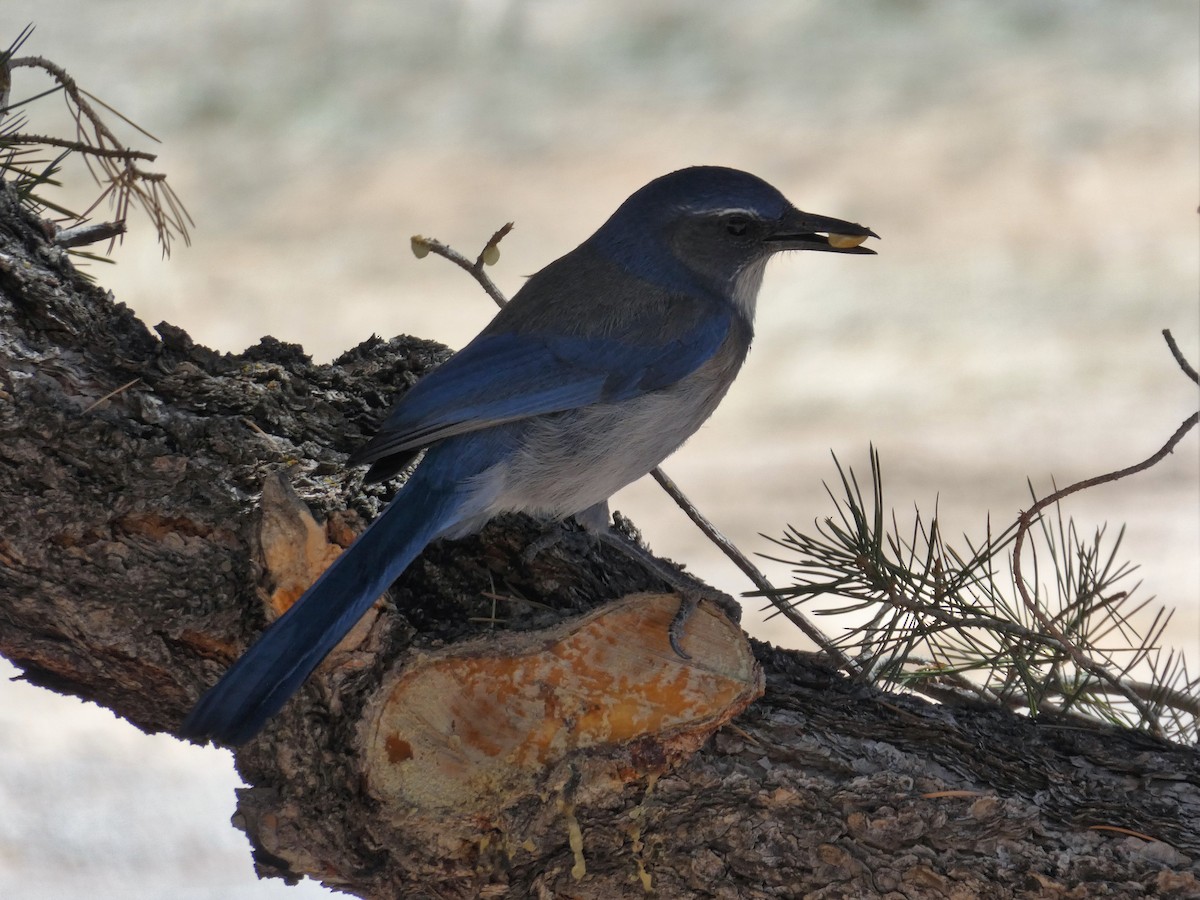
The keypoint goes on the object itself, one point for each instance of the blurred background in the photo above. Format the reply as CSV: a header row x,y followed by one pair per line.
x,y
1032,169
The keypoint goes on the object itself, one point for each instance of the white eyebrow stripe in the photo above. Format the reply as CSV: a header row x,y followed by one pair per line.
x,y
702,210
727,211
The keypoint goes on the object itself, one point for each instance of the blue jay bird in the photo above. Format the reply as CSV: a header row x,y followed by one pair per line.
x,y
603,364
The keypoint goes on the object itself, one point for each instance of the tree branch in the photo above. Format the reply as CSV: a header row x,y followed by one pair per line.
x,y
138,558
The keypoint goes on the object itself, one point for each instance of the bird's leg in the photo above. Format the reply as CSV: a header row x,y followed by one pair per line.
x,y
594,520
687,605
622,536
691,590
551,535
689,597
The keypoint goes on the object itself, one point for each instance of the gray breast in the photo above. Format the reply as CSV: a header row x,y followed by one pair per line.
x,y
569,461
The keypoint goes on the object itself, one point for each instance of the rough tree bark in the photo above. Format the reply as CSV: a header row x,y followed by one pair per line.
x,y
136,556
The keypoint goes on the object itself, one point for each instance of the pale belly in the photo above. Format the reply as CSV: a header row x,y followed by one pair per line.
x,y
564,463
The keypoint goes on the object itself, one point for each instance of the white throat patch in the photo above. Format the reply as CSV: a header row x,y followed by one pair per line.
x,y
745,287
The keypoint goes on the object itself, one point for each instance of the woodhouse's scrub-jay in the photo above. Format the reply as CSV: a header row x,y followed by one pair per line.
x,y
603,364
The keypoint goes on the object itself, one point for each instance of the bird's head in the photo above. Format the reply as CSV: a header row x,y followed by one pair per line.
x,y
714,228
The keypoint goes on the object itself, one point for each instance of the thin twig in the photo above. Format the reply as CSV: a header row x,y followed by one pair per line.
x,y
1117,829
83,147
1026,520
757,578
1179,357
1181,700
490,254
436,247
126,386
82,235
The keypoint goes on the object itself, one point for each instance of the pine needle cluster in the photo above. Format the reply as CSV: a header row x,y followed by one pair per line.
x,y
945,620
33,162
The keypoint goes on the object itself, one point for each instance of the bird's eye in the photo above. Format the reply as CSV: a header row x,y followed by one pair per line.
x,y
736,225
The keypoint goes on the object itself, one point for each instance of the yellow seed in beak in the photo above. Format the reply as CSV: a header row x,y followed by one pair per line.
x,y
846,241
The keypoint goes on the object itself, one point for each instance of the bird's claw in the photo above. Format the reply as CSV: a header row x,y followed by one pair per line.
x,y
688,601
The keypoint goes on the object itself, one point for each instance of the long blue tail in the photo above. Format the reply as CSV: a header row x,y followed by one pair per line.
x,y
261,681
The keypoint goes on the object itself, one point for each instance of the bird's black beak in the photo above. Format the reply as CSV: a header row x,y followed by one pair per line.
x,y
804,231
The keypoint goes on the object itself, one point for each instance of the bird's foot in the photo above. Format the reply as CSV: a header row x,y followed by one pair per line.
x,y
692,591
550,536
593,520
688,602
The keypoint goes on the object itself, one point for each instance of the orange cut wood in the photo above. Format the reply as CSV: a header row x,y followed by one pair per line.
x,y
477,727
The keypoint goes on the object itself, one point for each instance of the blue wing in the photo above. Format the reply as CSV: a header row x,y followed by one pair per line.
x,y
501,377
